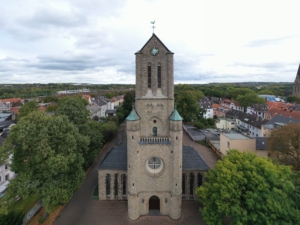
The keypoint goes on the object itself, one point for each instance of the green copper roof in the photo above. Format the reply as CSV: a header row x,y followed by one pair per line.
x,y
133,115
175,116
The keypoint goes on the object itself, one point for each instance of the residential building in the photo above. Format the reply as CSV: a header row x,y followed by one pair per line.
x,y
258,110
276,121
7,104
283,109
99,106
226,124
247,124
5,173
206,106
236,141
231,104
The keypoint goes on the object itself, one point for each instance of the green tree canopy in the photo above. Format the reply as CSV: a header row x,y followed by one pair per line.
x,y
28,108
293,99
187,104
47,155
249,99
265,92
284,145
128,102
109,129
76,112
233,93
248,190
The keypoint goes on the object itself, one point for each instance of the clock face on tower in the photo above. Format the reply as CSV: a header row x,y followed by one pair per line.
x,y
154,51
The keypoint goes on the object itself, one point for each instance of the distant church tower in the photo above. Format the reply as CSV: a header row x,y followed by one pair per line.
x,y
296,88
154,136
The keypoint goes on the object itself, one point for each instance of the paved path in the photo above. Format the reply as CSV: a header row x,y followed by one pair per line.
x,y
207,154
82,210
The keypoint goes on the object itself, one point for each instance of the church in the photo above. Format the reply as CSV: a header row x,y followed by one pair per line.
x,y
151,169
296,88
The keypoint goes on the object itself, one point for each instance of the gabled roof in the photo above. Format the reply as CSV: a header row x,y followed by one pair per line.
x,y
11,100
175,116
154,36
246,118
283,109
116,159
282,119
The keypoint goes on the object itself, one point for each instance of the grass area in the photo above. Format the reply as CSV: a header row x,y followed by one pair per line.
x,y
24,205
96,193
204,143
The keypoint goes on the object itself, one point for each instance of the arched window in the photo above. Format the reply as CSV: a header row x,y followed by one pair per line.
x,y
154,131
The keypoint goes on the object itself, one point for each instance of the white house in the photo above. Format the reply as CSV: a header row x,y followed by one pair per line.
x,y
99,106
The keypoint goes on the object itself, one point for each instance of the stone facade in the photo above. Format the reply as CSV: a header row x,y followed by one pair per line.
x,y
151,169
154,105
296,87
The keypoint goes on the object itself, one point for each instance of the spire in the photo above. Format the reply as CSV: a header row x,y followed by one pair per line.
x,y
298,73
133,116
175,115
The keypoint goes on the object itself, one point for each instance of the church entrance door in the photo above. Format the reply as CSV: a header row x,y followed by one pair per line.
x,y
154,203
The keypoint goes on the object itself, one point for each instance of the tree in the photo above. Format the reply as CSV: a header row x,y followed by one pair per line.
x,y
284,145
187,104
265,92
76,112
95,145
249,99
47,156
109,129
50,99
52,108
293,99
233,93
61,101
248,190
128,102
28,108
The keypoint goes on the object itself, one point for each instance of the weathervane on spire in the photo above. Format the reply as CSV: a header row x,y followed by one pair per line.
x,y
153,22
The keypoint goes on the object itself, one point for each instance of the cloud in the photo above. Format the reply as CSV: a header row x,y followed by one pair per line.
x,y
270,41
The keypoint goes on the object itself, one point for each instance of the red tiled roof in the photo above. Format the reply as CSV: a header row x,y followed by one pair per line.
x,y
281,108
16,109
10,100
215,106
43,108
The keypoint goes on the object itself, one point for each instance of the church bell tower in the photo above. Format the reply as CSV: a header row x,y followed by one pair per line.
x,y
154,136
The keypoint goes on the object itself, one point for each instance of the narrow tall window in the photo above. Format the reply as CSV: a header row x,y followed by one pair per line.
x,y
149,76
192,179
154,130
107,184
183,184
159,76
124,183
116,186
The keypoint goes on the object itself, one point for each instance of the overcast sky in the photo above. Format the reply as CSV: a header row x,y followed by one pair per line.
x,y
94,41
